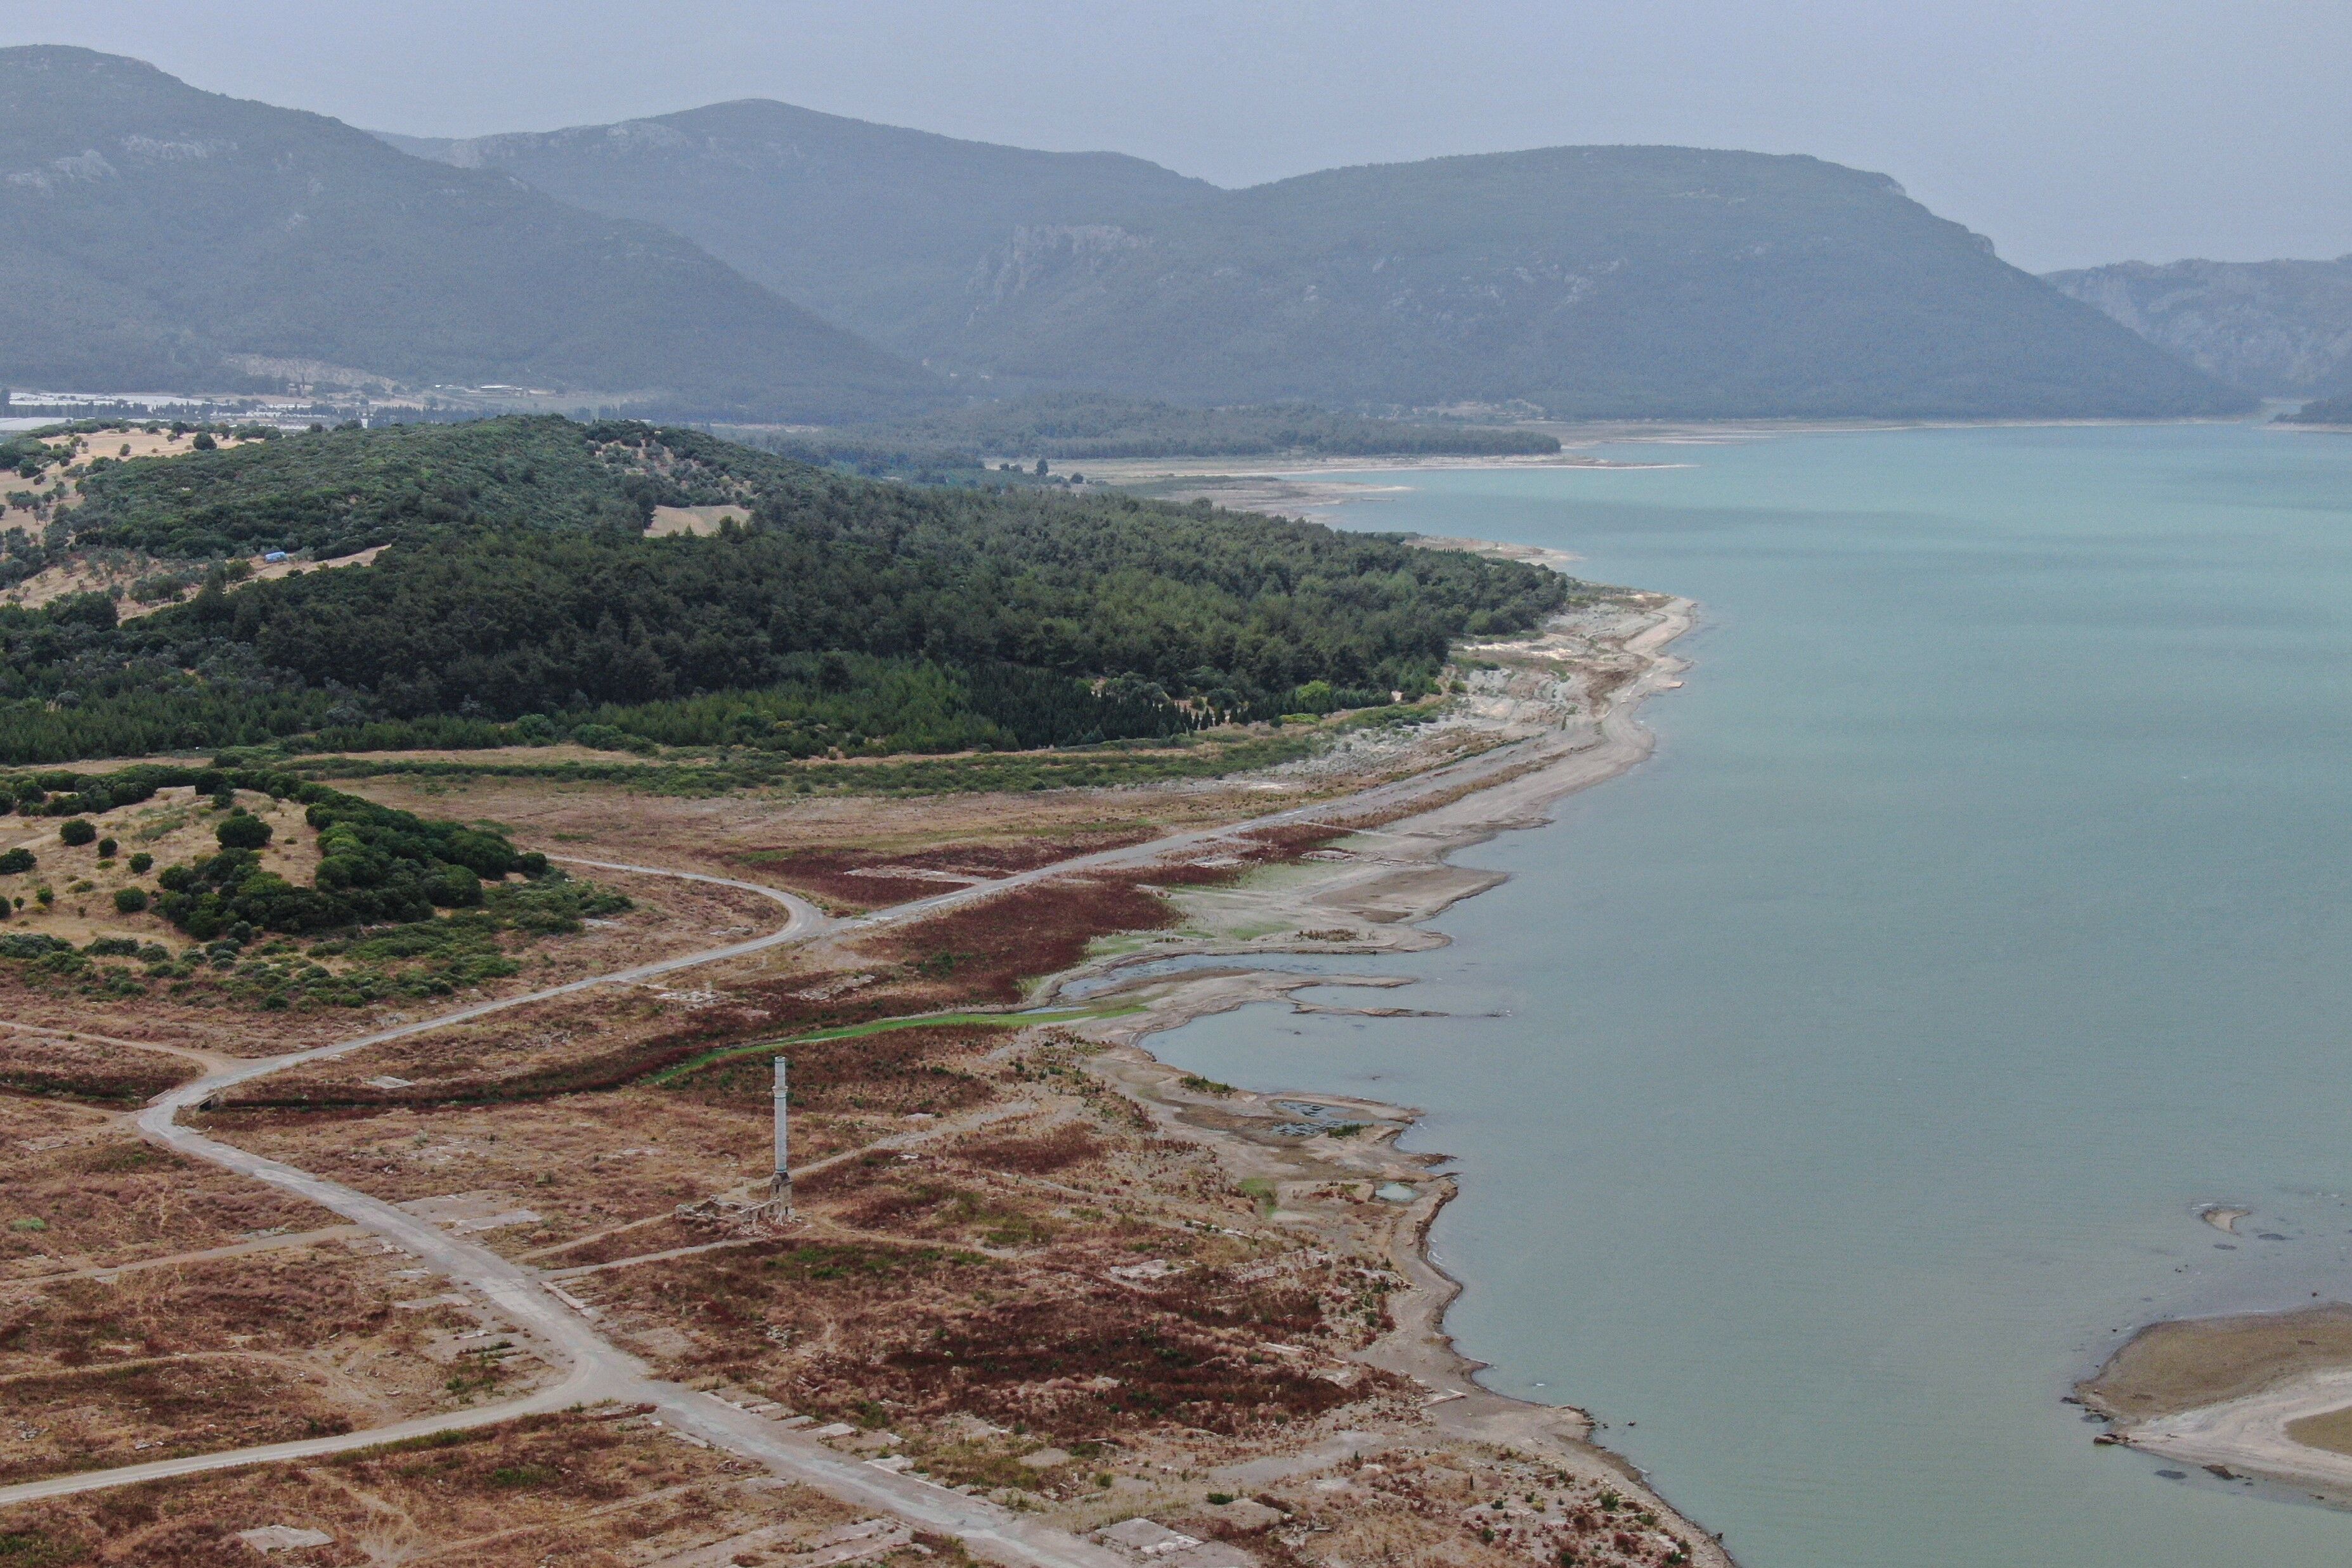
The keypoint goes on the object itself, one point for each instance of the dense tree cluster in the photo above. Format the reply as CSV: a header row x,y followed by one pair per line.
x,y
334,492
846,614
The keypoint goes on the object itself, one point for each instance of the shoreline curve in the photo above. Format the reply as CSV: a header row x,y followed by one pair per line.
x,y
1402,877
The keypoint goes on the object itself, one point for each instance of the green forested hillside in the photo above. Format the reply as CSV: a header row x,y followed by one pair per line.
x,y
332,492
847,614
1637,281
154,238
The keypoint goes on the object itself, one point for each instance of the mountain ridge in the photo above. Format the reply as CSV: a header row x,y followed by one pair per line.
x,y
825,178
163,238
1593,282
2277,328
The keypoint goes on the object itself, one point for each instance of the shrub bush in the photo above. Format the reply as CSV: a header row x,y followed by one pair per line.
x,y
242,832
131,900
78,832
454,887
16,861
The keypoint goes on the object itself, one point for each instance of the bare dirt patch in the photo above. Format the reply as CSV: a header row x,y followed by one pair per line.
x,y
2332,1431
596,1489
668,521
81,1190
228,1352
176,827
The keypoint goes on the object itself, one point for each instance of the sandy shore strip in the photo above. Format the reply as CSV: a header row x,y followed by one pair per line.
x,y
2263,1433
1374,892
1293,484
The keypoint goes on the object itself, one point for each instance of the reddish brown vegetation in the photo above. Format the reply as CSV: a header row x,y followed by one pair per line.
x,y
929,1331
270,1302
983,952
87,1069
840,876
1104,1360
185,1359
899,1070
106,1199
1064,1146
106,1416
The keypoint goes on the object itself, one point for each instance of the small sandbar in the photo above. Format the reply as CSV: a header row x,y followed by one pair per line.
x,y
2223,1216
2168,1368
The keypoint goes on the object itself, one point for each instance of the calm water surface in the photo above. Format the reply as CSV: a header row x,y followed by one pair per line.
x,y
1984,911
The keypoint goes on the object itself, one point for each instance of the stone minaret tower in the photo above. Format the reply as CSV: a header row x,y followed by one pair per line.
x,y
780,1186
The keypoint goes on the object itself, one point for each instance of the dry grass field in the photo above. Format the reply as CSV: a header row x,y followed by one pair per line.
x,y
602,1489
192,1357
79,1190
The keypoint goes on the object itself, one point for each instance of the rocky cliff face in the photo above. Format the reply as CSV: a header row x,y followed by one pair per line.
x,y
2278,328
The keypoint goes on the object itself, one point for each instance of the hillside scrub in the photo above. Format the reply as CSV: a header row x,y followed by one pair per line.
x,y
378,865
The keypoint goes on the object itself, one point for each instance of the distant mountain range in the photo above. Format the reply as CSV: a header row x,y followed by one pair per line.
x,y
1582,281
753,261
154,238
878,229
2277,328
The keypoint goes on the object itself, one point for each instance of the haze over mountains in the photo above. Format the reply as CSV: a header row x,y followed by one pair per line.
x,y
1582,280
155,237
756,261
2277,328
877,228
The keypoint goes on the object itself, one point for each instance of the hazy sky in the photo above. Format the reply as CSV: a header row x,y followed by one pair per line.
x,y
2070,131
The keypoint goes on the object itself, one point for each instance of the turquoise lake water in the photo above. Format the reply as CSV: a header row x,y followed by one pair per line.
x,y
1986,909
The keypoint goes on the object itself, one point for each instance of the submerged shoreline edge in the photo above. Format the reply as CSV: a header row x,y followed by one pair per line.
x,y
1408,881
